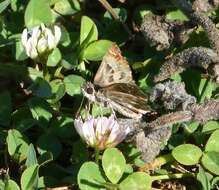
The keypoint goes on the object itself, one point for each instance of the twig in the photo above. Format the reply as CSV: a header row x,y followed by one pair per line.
x,y
109,8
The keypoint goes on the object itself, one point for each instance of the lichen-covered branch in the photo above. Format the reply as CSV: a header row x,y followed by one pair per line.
x,y
149,143
205,5
205,112
172,95
196,15
161,33
193,57
148,137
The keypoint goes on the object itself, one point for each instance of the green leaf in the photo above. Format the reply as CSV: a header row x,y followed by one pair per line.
x,y
41,88
5,108
66,7
11,185
2,184
40,109
213,142
31,156
176,15
136,181
17,144
187,154
23,119
210,161
210,126
65,38
89,177
49,143
203,179
73,84
87,26
141,11
113,163
192,127
215,183
205,89
37,12
96,50
4,4
121,12
62,127
20,54
29,178
54,57
58,90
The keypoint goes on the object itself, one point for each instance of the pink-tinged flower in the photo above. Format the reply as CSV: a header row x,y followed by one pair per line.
x,y
40,39
101,132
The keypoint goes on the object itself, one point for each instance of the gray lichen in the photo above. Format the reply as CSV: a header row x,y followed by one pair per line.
x,y
173,95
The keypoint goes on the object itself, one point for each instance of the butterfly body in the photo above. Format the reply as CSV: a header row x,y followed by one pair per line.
x,y
114,86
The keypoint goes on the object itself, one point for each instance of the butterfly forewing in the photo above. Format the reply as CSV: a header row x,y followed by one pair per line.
x,y
114,68
127,95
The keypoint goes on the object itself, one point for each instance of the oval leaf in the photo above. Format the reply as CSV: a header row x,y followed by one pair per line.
x,y
58,90
17,144
54,57
136,181
213,142
210,161
187,154
34,17
31,156
89,177
210,126
96,50
29,178
88,30
12,185
73,84
113,163
66,7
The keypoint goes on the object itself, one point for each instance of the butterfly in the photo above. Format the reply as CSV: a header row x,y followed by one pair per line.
x,y
114,86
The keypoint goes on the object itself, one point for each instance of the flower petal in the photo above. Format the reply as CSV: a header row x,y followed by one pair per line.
x,y
24,37
31,49
57,34
42,45
50,39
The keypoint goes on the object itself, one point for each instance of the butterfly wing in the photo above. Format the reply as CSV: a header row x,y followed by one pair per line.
x,y
114,68
129,96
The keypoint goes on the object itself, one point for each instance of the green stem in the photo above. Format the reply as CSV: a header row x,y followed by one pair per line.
x,y
173,176
97,154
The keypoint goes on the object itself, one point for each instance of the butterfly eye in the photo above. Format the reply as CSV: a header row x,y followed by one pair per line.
x,y
90,90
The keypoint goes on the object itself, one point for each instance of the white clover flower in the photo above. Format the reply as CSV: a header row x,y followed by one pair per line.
x,y
101,132
40,39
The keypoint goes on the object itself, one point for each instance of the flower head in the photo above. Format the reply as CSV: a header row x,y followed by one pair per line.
x,y
40,39
101,132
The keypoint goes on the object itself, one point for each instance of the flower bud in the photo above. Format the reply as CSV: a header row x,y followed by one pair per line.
x,y
40,39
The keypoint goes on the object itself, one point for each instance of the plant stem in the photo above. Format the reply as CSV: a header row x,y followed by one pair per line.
x,y
173,176
109,8
158,162
97,154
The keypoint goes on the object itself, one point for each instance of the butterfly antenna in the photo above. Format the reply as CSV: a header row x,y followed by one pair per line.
x,y
79,109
